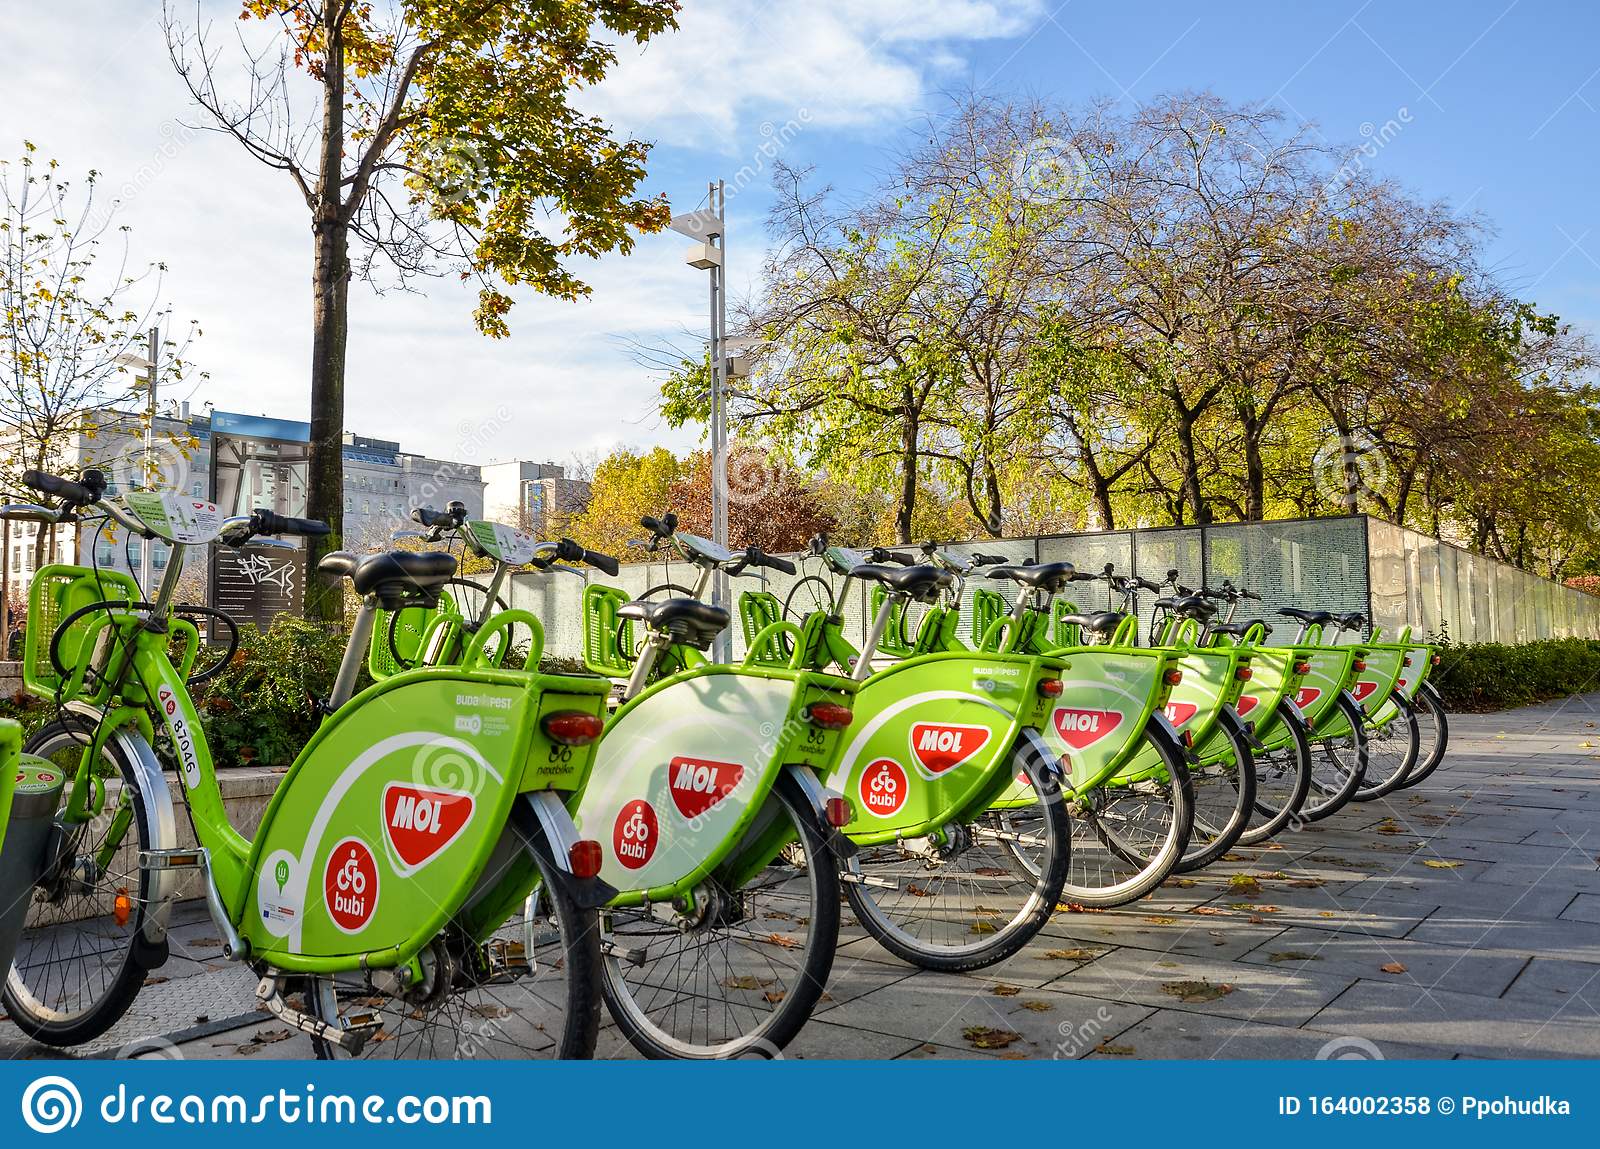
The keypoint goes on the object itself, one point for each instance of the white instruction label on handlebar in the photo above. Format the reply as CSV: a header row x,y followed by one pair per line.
x,y
175,517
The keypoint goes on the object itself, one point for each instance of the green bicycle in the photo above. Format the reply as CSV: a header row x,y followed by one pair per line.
x,y
371,902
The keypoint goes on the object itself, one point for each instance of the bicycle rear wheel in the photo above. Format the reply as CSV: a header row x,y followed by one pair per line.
x,y
1433,730
1338,765
1126,839
809,595
1283,779
82,958
739,976
973,897
1224,799
545,1003
1391,751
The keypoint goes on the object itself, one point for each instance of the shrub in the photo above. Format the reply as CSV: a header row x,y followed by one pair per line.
x,y
263,708
1493,676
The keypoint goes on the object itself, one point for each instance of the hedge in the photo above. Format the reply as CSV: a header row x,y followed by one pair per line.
x,y
1493,676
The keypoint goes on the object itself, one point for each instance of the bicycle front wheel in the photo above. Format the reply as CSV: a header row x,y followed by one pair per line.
x,y
739,976
80,961
806,597
1126,838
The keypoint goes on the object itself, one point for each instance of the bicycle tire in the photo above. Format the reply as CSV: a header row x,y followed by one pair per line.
x,y
998,942
792,1000
818,595
1379,742
1232,810
48,1022
1429,705
1328,797
1276,815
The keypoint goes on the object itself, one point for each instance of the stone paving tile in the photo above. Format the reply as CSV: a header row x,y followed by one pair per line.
x,y
1578,941
1475,899
1552,977
1584,908
1575,878
1253,992
1360,955
1461,1023
1190,934
1175,1034
942,1008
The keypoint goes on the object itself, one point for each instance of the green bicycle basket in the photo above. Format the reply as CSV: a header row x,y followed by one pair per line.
x,y
604,642
57,592
408,633
759,609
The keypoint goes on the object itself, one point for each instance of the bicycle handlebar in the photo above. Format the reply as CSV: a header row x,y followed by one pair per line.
x,y
88,488
265,522
569,550
882,555
989,560
661,528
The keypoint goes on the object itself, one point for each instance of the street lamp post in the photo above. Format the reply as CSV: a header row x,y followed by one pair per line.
x,y
709,226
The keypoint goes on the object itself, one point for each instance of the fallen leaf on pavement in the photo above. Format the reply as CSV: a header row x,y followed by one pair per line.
x,y
1196,991
1435,864
1038,1006
1004,990
1075,954
1392,967
985,1037
1292,955
1110,1050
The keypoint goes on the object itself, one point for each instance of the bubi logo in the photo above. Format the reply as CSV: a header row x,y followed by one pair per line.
x,y
940,747
698,784
420,821
350,885
1363,690
1080,728
883,787
633,838
1180,712
1247,703
1306,696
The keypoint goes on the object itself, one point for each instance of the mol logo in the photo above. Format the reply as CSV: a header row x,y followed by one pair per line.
x,y
1247,703
1363,690
1306,696
883,787
940,747
1080,728
634,837
697,784
420,821
350,885
1180,712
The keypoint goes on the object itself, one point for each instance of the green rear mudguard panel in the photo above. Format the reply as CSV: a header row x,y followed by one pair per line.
x,y
1317,695
1272,678
1210,681
1109,694
1415,663
684,770
932,739
384,823
1377,679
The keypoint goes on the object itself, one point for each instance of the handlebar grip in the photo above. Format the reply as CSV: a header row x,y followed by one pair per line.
x,y
653,525
90,486
990,560
265,522
888,556
782,565
602,563
1250,594
429,517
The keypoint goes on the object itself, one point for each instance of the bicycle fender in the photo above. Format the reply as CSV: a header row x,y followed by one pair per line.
x,y
547,832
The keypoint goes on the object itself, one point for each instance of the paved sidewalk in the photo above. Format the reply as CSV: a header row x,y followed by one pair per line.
x,y
1458,919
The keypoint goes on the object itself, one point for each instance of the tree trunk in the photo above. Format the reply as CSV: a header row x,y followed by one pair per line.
x,y
1255,476
908,480
330,297
1191,470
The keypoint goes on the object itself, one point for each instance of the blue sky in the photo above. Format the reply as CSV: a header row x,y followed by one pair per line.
x,y
1497,106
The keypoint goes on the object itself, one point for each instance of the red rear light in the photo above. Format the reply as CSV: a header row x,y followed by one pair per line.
x,y
829,715
1051,687
1406,661
1188,738
584,857
1359,664
1242,674
1173,677
1302,668
1436,660
573,727
840,812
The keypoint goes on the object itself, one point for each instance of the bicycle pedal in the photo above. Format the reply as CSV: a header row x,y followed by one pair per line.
x,y
507,961
351,1035
623,953
170,859
864,880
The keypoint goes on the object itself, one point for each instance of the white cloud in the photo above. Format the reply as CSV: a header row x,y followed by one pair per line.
x,y
849,63
96,90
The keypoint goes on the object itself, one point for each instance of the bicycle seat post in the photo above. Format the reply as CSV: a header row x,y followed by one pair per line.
x,y
880,623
